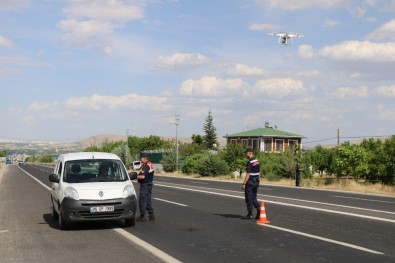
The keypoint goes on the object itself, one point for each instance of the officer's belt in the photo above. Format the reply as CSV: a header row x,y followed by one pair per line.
x,y
254,174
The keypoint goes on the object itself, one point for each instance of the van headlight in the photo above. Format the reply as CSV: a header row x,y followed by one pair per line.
x,y
70,192
128,191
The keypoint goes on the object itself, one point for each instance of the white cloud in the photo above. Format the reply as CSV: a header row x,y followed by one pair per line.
x,y
98,102
5,42
348,93
386,31
117,11
385,91
92,23
133,101
262,27
181,60
330,23
212,86
356,50
309,73
279,88
306,51
241,70
292,5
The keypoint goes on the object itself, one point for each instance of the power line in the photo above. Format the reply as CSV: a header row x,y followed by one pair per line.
x,y
350,137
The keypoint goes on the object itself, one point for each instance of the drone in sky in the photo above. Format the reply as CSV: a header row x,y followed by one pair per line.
x,y
283,37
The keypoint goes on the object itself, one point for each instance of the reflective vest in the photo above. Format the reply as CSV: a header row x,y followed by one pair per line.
x,y
253,168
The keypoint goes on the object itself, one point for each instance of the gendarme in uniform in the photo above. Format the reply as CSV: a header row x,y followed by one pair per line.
x,y
145,179
251,184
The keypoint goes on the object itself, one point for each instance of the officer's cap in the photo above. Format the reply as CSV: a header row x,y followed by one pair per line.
x,y
249,150
142,155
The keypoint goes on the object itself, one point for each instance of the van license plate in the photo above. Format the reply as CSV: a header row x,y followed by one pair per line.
x,y
100,209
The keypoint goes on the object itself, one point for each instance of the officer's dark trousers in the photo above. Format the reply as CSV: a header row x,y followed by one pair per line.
x,y
297,179
145,199
251,190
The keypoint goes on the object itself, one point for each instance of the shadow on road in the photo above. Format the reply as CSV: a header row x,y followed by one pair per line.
x,y
93,225
229,215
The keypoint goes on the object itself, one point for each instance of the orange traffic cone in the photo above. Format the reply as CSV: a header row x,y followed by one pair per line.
x,y
262,215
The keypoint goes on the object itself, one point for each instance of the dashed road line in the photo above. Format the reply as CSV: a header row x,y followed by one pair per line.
x,y
167,201
363,199
324,239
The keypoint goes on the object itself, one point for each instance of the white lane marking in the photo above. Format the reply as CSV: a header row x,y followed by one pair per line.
x,y
324,239
194,182
153,250
137,241
3,231
295,199
167,201
35,179
286,204
363,199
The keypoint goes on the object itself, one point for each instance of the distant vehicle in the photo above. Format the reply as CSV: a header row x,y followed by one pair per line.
x,y
136,165
283,37
8,161
92,186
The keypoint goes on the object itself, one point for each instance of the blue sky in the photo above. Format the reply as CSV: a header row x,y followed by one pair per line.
x,y
70,69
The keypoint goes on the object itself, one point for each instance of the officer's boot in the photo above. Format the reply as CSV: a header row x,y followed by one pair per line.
x,y
258,212
151,217
248,216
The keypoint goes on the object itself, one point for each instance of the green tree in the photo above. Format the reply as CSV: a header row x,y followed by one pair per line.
x,y
46,159
389,159
320,159
124,153
188,149
375,159
234,156
351,160
210,137
197,139
3,154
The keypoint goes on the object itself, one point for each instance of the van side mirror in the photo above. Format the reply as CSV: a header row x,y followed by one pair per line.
x,y
54,178
133,176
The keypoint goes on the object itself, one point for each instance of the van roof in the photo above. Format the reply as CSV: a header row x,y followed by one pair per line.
x,y
88,155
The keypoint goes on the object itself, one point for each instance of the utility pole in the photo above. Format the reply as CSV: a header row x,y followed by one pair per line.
x,y
176,122
338,136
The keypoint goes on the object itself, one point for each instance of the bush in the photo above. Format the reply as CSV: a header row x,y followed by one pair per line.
x,y
191,163
169,163
212,165
272,177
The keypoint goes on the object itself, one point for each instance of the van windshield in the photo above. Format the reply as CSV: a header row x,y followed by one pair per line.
x,y
94,170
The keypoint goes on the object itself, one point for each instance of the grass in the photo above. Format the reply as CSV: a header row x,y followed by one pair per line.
x,y
314,183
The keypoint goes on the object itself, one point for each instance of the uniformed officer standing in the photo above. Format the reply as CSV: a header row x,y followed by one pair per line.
x,y
297,174
145,179
251,184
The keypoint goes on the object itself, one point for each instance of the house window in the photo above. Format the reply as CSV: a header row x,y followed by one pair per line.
x,y
268,145
279,145
292,144
255,144
244,142
233,141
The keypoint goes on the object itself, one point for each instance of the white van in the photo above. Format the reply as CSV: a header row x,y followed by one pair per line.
x,y
136,165
91,186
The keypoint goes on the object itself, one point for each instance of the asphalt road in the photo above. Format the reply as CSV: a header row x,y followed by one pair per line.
x,y
199,221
